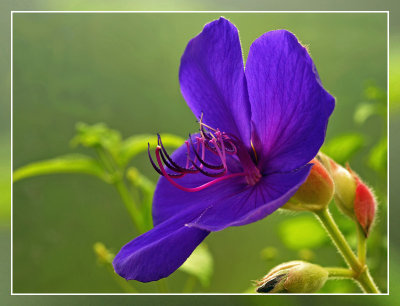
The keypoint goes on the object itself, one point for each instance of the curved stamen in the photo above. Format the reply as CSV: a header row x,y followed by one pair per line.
x,y
169,165
215,174
181,169
215,167
195,189
158,169
221,156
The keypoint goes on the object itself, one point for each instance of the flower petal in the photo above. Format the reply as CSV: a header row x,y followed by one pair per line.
x,y
289,106
159,252
254,203
212,79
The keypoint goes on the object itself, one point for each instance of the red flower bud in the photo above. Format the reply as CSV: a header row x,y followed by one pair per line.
x,y
352,196
364,204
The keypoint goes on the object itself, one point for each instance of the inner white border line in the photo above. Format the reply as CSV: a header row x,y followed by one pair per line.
x,y
201,12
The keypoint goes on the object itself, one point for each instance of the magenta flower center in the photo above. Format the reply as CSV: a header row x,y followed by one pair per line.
x,y
216,142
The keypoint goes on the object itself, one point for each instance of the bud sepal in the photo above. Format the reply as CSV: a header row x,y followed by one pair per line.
x,y
293,277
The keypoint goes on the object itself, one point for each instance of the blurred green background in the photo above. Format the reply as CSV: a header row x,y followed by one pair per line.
x,y
121,69
95,69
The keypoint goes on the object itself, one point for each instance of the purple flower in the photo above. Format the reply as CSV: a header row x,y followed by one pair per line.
x,y
259,128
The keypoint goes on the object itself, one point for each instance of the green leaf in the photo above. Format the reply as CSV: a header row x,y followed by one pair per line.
x,y
134,145
302,232
364,111
97,135
378,157
73,163
343,147
200,264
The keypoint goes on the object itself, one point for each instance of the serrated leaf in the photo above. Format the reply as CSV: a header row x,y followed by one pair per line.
x,y
72,163
200,264
137,144
302,232
343,147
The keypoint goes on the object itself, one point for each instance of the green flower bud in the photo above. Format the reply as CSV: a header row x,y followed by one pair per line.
x,y
315,193
345,189
293,277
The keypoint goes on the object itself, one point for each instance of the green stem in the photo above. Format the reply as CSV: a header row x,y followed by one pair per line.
x,y
361,272
367,282
337,237
361,245
106,162
335,272
130,205
126,196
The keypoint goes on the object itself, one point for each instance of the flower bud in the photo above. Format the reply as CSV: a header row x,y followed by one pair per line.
x,y
345,189
293,277
364,205
353,197
315,193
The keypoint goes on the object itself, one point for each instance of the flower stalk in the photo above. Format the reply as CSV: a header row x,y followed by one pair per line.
x,y
130,205
119,184
339,273
361,245
360,270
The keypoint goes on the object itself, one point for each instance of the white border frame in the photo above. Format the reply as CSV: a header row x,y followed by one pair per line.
x,y
201,12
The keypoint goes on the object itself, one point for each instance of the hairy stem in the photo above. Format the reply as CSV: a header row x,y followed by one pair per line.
x,y
361,245
361,272
335,272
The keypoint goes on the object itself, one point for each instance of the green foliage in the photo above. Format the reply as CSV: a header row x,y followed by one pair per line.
x,y
72,163
377,159
301,232
146,189
366,110
113,156
97,135
200,264
100,136
134,145
394,81
376,105
343,147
